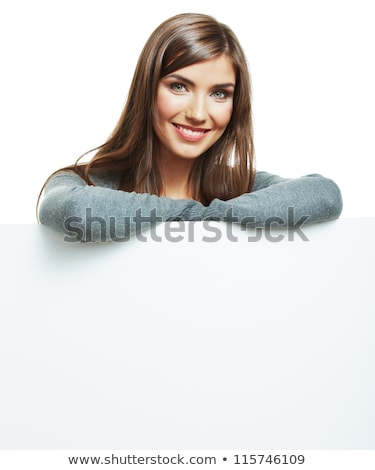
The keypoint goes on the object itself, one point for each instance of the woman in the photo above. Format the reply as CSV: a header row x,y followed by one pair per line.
x,y
182,149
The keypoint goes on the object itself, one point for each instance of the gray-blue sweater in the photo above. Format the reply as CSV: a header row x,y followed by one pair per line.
x,y
103,212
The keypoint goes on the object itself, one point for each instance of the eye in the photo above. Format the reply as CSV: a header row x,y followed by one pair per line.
x,y
220,94
178,87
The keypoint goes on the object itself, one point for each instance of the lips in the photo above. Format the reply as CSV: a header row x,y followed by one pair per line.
x,y
191,133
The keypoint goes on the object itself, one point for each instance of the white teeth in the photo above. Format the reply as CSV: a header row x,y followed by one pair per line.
x,y
190,132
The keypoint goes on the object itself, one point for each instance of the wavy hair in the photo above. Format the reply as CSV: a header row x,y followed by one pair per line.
x,y
226,169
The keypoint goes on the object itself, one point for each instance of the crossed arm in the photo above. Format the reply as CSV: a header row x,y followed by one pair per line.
x,y
99,213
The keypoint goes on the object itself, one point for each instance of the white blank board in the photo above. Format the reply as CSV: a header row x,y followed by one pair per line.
x,y
189,344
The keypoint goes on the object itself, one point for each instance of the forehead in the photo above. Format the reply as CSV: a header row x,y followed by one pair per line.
x,y
216,70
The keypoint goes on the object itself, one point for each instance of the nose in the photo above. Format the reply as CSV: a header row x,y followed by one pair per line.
x,y
197,110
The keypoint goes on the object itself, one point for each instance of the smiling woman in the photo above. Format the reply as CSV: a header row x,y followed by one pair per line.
x,y
183,148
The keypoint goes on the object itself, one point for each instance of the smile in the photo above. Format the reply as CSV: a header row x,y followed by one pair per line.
x,y
191,133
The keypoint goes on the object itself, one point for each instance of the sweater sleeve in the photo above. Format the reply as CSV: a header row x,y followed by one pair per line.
x,y
281,201
98,214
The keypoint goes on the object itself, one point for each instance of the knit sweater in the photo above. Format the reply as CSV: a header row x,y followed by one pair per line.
x,y
103,212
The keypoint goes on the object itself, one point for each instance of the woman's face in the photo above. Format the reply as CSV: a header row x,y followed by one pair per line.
x,y
193,107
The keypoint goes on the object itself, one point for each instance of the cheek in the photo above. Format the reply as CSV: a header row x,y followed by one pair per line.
x,y
166,105
223,115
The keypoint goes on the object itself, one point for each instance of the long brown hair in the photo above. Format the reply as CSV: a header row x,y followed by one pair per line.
x,y
225,170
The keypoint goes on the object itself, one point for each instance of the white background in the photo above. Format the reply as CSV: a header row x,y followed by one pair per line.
x,y
66,68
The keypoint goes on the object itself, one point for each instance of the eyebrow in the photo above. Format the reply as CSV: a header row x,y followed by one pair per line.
x,y
191,83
